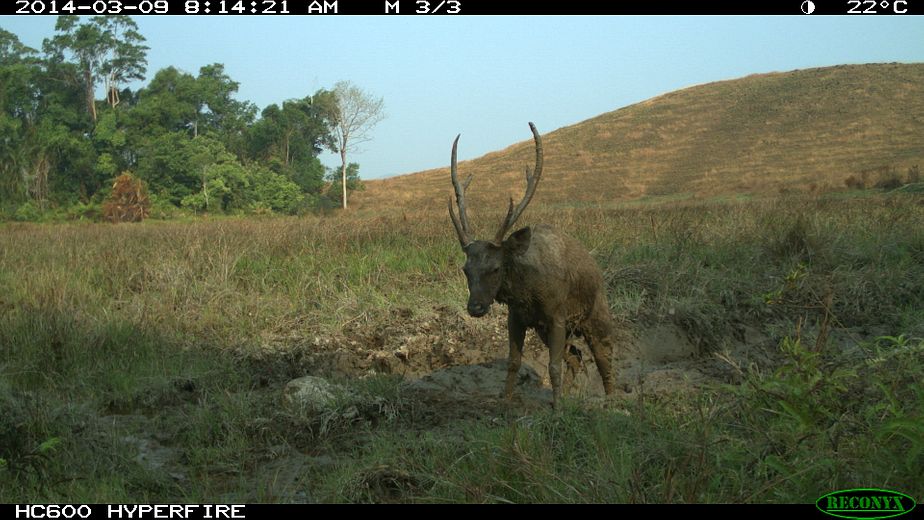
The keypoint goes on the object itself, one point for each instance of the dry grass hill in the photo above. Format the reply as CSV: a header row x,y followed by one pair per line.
x,y
764,133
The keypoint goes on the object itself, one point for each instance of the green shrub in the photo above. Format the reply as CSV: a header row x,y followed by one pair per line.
x,y
28,211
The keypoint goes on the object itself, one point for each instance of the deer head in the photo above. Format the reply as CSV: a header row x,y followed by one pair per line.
x,y
486,260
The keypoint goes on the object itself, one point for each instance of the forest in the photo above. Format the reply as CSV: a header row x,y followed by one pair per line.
x,y
182,143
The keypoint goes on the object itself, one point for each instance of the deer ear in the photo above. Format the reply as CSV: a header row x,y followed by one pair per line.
x,y
518,243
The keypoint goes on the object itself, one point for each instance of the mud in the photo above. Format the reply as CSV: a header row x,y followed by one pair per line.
x,y
444,353
453,368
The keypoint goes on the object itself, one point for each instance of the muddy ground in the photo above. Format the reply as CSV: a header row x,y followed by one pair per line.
x,y
446,353
453,367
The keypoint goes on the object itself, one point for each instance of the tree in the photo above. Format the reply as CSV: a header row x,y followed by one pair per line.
x,y
290,138
62,137
11,49
273,191
355,113
44,148
217,108
178,101
334,194
18,96
127,57
107,48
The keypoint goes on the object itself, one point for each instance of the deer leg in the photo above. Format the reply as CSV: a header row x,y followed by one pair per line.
x,y
601,348
516,333
556,350
600,341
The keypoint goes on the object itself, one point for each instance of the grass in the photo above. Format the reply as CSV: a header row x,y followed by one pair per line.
x,y
778,437
170,341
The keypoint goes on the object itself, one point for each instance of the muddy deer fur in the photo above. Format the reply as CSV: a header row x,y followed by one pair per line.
x,y
547,279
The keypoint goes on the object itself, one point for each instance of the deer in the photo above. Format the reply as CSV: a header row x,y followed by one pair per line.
x,y
547,279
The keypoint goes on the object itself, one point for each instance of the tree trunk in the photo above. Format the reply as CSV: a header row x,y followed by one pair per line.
x,y
112,92
205,189
88,90
343,169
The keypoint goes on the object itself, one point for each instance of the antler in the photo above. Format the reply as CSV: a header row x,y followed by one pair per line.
x,y
461,221
532,179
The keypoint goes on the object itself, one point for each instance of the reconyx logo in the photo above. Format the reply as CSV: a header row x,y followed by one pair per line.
x,y
865,504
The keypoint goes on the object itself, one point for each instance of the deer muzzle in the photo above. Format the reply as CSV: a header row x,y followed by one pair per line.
x,y
477,310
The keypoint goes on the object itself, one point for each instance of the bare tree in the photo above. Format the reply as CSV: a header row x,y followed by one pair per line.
x,y
355,114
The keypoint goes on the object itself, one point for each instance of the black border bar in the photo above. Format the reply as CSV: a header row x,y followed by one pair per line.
x,y
275,511
464,7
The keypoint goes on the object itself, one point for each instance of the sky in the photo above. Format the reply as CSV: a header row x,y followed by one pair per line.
x,y
486,77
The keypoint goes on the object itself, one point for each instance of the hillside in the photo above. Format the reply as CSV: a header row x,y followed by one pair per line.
x,y
759,134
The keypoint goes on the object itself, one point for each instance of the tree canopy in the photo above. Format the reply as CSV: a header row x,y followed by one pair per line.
x,y
72,123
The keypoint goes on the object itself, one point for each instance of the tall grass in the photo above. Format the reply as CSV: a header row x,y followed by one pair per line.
x,y
161,323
